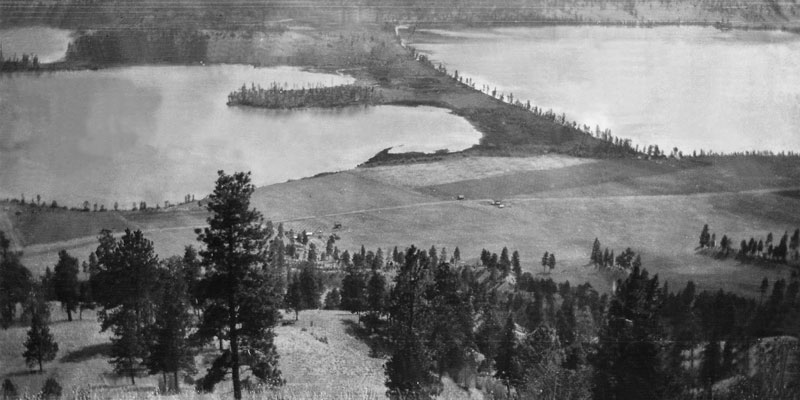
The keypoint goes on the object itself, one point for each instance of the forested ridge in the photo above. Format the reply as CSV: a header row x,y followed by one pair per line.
x,y
241,15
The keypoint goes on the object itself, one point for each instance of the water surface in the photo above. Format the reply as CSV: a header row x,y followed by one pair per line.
x,y
156,133
694,88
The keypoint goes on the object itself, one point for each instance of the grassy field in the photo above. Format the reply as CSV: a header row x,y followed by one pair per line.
x,y
310,367
465,169
656,208
321,357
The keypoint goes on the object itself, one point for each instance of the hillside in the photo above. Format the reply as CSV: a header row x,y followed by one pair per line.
x,y
553,204
319,356
239,14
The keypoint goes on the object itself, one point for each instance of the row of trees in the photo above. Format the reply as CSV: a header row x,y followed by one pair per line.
x,y
550,115
764,249
28,62
86,206
278,97
626,260
119,46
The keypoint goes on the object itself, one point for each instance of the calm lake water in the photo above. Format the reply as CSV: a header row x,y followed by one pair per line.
x,y
690,87
48,44
157,133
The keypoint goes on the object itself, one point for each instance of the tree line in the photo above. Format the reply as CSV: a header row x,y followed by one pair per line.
x,y
279,97
117,46
766,249
28,62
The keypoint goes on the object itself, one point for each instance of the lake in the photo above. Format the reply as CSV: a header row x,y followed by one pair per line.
x,y
49,44
157,133
687,87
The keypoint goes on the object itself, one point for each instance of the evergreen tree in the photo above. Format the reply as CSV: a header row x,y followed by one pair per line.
x,y
127,285
191,274
515,265
377,262
710,364
545,260
551,261
15,282
596,254
294,296
39,346
239,285
505,262
354,290
794,243
627,361
65,282
312,252
433,256
333,299
346,259
329,245
376,293
170,351
485,257
507,363
704,237
310,287
450,330
456,256
487,336
408,370
724,244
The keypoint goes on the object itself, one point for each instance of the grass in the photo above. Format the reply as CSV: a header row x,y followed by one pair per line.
x,y
313,369
464,169
656,208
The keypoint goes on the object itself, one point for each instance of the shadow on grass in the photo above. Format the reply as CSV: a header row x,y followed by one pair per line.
x,y
378,346
88,352
24,373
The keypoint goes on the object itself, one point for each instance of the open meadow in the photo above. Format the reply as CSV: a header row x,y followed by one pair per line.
x,y
551,203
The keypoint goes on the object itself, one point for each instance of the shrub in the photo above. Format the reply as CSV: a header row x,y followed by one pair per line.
x,y
9,390
51,389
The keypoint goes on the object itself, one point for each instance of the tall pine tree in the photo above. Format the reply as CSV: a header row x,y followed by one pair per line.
x,y
127,285
239,285
65,282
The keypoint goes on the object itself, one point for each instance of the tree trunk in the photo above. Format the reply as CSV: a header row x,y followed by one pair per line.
x,y
296,315
166,384
69,314
234,345
40,365
219,336
177,386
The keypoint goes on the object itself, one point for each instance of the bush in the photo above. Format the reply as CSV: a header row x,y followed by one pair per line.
x,y
9,390
51,389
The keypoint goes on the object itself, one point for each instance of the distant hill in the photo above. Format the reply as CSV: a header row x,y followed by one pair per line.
x,y
242,15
